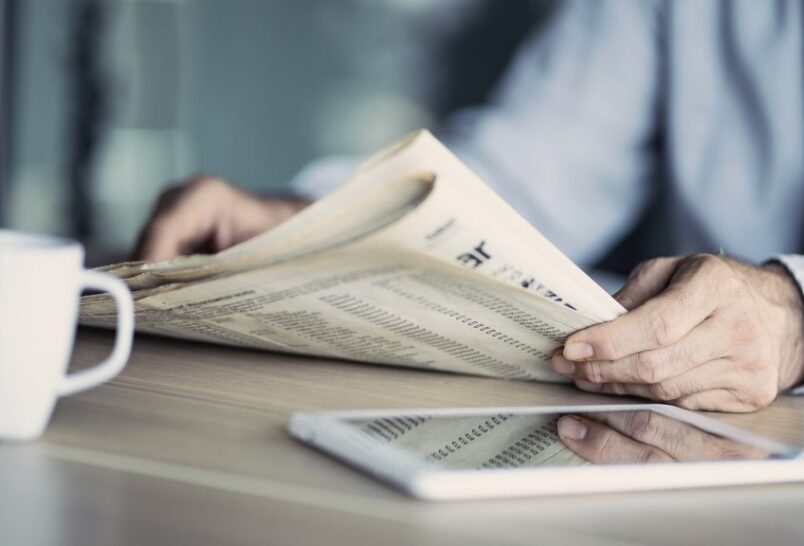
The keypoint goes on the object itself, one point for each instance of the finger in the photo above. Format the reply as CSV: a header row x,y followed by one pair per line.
x,y
689,299
651,428
184,218
716,374
715,400
145,237
704,377
170,236
704,343
751,396
599,443
151,245
646,280
681,441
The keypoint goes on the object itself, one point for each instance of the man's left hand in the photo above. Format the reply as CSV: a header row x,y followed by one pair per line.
x,y
703,332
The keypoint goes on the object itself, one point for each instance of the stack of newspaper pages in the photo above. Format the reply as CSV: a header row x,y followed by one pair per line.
x,y
413,261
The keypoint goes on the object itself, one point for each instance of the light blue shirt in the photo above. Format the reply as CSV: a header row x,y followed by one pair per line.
x,y
569,137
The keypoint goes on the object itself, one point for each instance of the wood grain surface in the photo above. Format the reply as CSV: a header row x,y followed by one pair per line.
x,y
188,446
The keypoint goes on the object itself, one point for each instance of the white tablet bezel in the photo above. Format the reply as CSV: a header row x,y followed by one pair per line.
x,y
328,430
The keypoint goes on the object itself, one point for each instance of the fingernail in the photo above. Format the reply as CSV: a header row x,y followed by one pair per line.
x,y
563,366
588,386
572,428
578,351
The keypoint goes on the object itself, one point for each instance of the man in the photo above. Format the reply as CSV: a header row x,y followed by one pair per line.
x,y
569,138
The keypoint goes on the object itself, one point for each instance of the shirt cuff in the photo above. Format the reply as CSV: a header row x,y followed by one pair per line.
x,y
794,264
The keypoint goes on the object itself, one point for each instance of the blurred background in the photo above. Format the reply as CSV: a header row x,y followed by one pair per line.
x,y
103,103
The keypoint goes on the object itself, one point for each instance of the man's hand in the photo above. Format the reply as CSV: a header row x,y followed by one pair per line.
x,y
206,214
703,332
646,437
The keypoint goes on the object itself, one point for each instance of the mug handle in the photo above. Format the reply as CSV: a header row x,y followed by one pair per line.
x,y
106,370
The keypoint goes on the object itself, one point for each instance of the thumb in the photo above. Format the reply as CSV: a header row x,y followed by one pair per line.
x,y
646,281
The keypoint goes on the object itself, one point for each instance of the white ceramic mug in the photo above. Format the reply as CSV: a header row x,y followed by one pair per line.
x,y
41,279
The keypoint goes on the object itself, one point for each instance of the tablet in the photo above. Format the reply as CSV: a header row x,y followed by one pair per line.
x,y
454,454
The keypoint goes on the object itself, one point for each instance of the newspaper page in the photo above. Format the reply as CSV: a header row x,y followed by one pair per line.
x,y
373,196
320,227
437,275
387,307
404,295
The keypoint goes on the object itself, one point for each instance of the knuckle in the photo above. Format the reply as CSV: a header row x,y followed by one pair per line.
x,y
728,287
662,261
203,182
205,186
608,348
642,268
658,328
591,371
649,455
596,372
746,329
648,367
645,269
605,443
664,391
698,260
710,262
689,403
160,225
767,358
722,274
654,263
616,388
759,357
714,267
643,425
763,394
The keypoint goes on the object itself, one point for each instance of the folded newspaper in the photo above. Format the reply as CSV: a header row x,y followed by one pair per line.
x,y
413,261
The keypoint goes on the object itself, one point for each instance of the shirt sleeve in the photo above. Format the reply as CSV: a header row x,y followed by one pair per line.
x,y
794,263
321,176
566,136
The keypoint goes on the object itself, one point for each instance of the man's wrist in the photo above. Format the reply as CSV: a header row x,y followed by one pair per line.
x,y
793,266
784,290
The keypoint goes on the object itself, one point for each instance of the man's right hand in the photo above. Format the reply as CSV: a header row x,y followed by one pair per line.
x,y
207,214
627,437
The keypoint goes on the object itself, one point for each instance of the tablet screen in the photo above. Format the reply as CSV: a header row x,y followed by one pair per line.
x,y
509,440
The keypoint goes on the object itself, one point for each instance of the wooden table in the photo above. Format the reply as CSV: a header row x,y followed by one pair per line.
x,y
188,446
